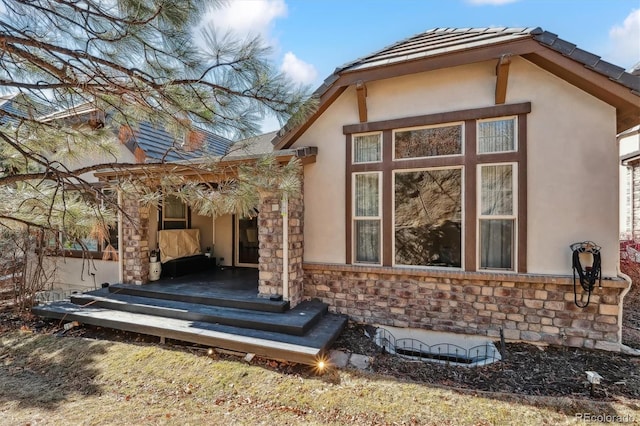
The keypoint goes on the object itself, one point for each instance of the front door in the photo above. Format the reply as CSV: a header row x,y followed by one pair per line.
x,y
247,242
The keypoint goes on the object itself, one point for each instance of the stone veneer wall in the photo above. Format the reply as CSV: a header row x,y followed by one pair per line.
x,y
270,246
532,308
135,241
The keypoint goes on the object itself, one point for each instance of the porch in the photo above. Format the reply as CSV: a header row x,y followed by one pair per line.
x,y
217,308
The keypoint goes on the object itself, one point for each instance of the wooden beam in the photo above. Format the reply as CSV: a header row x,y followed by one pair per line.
x,y
502,77
437,118
361,89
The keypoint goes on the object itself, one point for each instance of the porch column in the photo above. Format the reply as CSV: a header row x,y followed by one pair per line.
x,y
135,241
270,264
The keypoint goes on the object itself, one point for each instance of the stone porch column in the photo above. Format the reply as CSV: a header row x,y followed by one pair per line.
x,y
270,265
135,241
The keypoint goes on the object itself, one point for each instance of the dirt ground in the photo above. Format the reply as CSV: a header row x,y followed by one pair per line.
x,y
525,369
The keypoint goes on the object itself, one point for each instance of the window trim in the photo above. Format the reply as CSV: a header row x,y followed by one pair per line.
x,y
462,219
379,218
513,216
469,160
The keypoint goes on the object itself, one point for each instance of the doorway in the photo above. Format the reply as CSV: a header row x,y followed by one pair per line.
x,y
246,243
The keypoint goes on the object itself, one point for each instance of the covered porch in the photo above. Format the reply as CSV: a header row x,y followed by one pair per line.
x,y
274,245
257,310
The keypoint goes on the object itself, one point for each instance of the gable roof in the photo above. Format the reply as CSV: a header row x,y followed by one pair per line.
x,y
447,47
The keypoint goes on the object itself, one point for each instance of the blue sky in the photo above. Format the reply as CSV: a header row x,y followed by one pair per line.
x,y
310,38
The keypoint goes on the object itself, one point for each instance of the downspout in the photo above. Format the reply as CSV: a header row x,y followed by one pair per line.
x,y
120,242
285,246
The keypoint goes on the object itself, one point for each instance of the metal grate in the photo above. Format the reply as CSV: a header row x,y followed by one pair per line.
x,y
443,353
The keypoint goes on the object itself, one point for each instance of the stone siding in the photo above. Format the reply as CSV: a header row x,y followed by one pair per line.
x,y
271,244
135,241
531,308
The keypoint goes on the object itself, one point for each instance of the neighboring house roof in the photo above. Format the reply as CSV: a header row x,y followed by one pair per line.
x,y
18,105
159,144
153,143
447,47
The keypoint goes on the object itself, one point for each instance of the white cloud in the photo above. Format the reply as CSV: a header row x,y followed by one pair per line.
x,y
625,40
298,70
490,2
247,17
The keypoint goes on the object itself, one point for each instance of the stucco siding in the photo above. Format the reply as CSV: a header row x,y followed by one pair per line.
x,y
78,274
572,158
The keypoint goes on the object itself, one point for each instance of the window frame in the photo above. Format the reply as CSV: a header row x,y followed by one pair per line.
x,y
353,143
162,219
503,118
366,218
469,160
513,216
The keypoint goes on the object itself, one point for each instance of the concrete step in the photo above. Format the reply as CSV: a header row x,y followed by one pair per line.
x,y
300,349
296,321
197,294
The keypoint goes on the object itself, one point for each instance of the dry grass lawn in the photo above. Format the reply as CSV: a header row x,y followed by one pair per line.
x,y
68,380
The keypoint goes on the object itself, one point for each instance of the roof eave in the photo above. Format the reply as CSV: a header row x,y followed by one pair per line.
x,y
306,155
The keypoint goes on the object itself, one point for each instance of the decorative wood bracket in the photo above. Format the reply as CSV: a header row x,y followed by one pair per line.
x,y
502,77
361,89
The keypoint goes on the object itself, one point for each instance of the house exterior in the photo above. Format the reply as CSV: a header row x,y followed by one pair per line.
x,y
629,146
444,179
77,269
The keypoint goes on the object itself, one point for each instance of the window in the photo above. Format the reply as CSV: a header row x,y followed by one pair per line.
x,y
428,142
174,213
440,190
366,217
367,148
428,217
497,216
496,135
103,243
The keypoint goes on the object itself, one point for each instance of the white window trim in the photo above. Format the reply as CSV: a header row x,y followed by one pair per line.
x,y
462,227
513,216
515,133
434,126
354,218
353,147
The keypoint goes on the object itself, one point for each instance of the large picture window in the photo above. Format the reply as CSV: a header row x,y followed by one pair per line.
x,y
428,217
443,190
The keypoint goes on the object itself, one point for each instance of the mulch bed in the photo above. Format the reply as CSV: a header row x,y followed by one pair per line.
x,y
525,369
